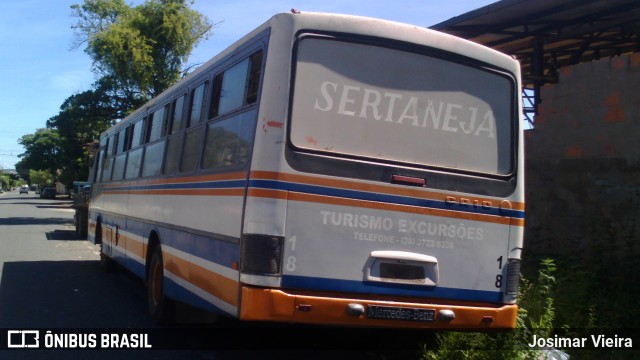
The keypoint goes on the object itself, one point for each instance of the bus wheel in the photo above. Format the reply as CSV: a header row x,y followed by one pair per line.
x,y
161,308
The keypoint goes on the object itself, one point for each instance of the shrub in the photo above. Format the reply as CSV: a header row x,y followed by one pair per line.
x,y
536,315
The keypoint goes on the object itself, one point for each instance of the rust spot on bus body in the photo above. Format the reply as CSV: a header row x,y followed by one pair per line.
x,y
275,124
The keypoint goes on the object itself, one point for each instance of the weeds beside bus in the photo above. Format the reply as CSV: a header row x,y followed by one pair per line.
x,y
325,169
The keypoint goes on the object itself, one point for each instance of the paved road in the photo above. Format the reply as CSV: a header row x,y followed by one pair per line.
x,y
51,279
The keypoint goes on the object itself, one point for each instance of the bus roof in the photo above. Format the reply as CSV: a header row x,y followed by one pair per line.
x,y
340,23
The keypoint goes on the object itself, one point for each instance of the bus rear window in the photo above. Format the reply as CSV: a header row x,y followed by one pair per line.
x,y
364,101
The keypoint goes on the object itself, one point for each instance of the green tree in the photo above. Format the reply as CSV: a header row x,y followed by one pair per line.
x,y
9,180
141,49
4,182
42,178
42,152
137,53
82,118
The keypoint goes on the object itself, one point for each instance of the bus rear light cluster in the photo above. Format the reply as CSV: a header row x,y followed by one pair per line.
x,y
261,254
513,277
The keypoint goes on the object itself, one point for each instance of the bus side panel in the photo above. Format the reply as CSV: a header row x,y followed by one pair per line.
x,y
199,264
263,212
134,243
112,238
202,244
196,271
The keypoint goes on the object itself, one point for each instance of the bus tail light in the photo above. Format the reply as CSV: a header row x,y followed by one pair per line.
x,y
261,254
513,277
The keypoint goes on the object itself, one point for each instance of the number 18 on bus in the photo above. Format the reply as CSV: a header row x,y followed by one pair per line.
x,y
324,169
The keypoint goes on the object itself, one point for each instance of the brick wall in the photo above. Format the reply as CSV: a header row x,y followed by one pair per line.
x,y
583,164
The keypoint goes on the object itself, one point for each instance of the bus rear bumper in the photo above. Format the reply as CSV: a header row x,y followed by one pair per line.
x,y
260,304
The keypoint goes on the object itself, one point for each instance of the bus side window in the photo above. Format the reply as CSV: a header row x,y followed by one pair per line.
x,y
255,72
121,154
195,111
192,149
136,134
108,159
120,141
134,157
172,158
228,141
134,163
237,86
99,159
152,161
176,121
127,138
156,124
154,150
174,139
231,95
215,96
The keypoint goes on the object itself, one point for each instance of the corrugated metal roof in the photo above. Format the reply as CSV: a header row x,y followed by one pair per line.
x,y
546,35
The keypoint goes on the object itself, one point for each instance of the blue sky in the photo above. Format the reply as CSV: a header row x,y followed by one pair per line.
x,y
39,70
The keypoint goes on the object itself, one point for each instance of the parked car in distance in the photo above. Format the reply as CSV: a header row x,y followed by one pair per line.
x,y
48,193
24,190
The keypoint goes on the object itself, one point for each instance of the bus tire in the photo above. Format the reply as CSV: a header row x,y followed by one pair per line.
x,y
161,308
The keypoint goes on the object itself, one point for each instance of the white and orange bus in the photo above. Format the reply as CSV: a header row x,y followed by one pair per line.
x,y
325,169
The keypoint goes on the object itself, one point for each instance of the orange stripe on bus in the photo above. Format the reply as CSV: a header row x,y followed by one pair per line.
x,y
215,284
266,193
351,185
134,246
283,195
205,192
181,180
400,208
176,265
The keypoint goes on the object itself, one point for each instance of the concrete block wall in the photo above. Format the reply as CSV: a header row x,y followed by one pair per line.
x,y
583,164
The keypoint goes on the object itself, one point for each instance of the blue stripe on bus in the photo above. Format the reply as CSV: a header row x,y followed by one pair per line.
x,y
216,251
328,191
178,292
134,266
226,184
208,248
378,197
351,286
